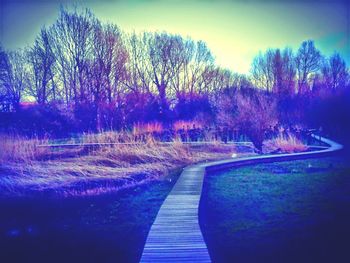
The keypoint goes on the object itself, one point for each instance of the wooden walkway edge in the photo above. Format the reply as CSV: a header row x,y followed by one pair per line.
x,y
175,235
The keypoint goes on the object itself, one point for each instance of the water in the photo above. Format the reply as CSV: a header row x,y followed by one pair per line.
x,y
283,212
105,228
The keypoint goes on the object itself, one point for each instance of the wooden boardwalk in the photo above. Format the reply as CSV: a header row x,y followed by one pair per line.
x,y
175,235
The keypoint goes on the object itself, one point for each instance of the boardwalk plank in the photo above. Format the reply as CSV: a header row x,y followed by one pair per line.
x,y
175,236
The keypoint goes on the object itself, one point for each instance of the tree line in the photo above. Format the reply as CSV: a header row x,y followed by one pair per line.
x,y
99,77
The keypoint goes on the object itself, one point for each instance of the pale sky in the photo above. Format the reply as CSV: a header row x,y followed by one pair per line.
x,y
234,30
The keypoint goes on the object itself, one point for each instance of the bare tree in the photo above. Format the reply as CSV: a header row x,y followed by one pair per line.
x,y
262,70
5,74
307,63
41,61
157,65
107,66
72,44
335,72
169,66
181,55
274,71
138,79
13,78
288,71
277,69
203,61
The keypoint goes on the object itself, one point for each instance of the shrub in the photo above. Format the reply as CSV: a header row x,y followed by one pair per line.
x,y
189,106
255,115
39,120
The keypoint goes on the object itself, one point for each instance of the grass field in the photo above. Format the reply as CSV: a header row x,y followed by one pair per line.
x,y
295,211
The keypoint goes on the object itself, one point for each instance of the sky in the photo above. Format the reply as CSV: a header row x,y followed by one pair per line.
x,y
234,30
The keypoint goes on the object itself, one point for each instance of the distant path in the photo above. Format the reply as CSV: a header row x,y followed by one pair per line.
x,y
175,235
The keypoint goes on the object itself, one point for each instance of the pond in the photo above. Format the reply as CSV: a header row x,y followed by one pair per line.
x,y
295,211
105,228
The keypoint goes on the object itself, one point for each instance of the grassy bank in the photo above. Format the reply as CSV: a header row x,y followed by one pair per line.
x,y
105,228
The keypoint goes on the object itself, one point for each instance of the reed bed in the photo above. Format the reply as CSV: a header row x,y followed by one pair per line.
x,y
284,144
151,127
24,165
18,149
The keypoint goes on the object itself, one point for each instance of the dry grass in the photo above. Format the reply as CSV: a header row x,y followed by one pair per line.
x,y
107,137
27,166
186,125
284,144
19,149
142,128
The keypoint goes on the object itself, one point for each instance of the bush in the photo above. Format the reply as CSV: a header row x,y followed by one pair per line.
x,y
141,107
189,106
38,120
255,115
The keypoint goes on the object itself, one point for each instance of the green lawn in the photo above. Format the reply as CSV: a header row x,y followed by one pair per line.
x,y
295,211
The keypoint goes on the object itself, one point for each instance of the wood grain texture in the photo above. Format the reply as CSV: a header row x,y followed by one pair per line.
x,y
175,235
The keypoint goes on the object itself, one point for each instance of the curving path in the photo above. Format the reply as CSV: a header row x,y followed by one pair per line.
x,y
175,235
